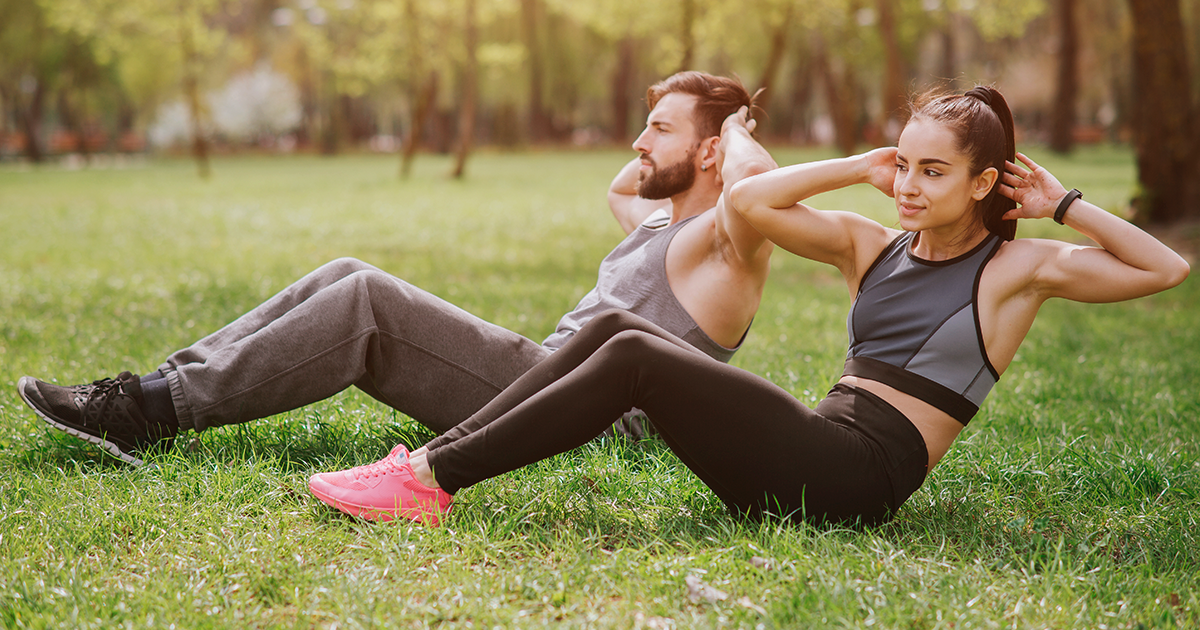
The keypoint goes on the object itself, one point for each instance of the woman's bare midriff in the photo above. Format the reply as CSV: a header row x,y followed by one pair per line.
x,y
935,425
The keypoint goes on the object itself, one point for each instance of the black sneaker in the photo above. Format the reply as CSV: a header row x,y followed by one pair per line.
x,y
106,412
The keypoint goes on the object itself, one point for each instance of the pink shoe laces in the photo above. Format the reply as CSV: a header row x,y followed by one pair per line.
x,y
398,457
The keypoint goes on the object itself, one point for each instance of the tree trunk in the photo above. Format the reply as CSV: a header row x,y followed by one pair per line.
x,y
31,122
408,149
893,74
688,35
622,85
466,117
330,115
538,128
841,100
422,104
191,90
73,119
949,65
802,87
775,56
1062,118
1165,136
199,143
128,141
310,108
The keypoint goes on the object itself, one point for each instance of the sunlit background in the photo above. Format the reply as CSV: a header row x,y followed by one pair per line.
x,y
85,79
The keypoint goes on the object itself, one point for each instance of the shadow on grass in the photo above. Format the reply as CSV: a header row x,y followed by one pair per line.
x,y
292,445
289,443
58,451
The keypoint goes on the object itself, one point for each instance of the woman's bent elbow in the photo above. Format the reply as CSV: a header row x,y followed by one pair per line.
x,y
736,196
741,197
1178,273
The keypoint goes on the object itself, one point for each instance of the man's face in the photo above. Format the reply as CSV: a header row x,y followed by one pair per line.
x,y
669,147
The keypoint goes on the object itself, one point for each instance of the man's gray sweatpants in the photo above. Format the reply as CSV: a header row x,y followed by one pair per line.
x,y
348,323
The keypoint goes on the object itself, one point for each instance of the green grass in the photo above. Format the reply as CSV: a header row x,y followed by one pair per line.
x,y
1072,500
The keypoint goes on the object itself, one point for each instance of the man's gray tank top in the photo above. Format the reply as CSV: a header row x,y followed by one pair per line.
x,y
633,277
915,326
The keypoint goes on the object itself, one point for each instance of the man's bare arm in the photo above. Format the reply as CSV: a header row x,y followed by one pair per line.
x,y
628,208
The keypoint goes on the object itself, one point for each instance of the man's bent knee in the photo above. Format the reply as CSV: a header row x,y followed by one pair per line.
x,y
345,266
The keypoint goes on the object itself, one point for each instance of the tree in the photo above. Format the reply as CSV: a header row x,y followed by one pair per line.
x,y
996,19
687,34
28,66
1062,117
622,89
990,20
1166,139
837,48
80,78
187,26
470,91
840,82
893,96
136,30
797,120
624,25
423,92
778,48
358,53
949,57
55,76
539,127
341,52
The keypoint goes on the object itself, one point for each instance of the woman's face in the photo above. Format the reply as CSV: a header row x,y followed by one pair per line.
x,y
934,188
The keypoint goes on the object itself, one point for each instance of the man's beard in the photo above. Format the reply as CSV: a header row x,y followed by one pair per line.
x,y
668,181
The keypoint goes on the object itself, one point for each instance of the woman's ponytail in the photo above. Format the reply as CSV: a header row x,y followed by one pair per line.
x,y
995,205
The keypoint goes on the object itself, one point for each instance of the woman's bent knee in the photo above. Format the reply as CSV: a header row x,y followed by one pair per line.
x,y
615,321
633,346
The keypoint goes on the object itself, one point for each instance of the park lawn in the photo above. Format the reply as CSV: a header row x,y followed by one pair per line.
x,y
1070,501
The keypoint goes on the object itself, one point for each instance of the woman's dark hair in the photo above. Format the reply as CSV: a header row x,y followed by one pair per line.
x,y
717,98
983,126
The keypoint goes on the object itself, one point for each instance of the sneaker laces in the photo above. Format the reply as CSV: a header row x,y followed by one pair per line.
x,y
102,395
379,468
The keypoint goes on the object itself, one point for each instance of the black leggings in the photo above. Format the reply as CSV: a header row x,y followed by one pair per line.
x,y
853,459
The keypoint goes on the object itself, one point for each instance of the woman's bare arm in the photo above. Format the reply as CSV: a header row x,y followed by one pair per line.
x,y
771,202
1128,263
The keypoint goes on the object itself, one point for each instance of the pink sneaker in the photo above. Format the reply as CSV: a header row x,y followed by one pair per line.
x,y
382,491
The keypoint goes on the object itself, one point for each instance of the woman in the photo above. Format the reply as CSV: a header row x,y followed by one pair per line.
x,y
940,307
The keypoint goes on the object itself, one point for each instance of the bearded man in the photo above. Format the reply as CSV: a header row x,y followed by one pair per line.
x,y
689,264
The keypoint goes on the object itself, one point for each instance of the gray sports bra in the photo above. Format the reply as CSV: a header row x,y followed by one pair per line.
x,y
915,326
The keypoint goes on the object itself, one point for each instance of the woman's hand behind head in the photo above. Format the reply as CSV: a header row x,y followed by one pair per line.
x,y
881,169
1036,191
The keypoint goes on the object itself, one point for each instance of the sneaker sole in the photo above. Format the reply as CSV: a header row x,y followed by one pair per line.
x,y
370,513
110,447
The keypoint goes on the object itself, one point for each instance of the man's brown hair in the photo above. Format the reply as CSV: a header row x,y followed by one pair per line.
x,y
717,98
